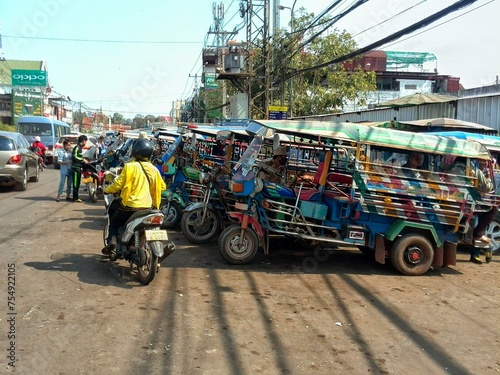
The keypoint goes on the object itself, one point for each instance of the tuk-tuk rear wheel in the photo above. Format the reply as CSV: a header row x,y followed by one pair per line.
x,y
412,254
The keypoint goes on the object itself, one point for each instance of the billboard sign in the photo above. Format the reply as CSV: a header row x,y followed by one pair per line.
x,y
277,112
26,103
210,82
29,77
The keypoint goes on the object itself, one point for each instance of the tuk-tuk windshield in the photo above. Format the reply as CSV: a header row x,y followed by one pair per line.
x,y
171,149
249,156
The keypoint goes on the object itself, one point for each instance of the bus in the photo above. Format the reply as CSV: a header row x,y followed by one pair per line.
x,y
49,131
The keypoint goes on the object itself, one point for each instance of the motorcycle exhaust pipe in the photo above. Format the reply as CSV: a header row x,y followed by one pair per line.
x,y
167,250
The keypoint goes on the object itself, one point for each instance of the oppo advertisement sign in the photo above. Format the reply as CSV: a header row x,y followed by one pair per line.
x,y
29,77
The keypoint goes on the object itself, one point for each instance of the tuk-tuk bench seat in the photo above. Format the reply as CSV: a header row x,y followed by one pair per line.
x,y
307,194
339,178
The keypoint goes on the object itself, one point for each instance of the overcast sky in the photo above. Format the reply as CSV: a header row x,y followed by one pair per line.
x,y
145,78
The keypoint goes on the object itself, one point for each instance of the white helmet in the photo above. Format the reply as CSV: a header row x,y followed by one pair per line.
x,y
37,138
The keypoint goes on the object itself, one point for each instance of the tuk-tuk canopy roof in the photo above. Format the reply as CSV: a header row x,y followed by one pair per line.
x,y
352,132
491,142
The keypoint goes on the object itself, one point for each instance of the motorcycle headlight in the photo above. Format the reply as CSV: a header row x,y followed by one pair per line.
x,y
259,185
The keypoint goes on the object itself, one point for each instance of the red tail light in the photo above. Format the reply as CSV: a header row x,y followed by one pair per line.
x,y
158,219
16,159
87,174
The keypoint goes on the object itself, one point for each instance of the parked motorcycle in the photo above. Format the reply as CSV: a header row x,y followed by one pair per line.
x,y
203,221
93,177
140,241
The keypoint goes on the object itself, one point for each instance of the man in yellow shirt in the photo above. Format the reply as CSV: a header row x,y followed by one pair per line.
x,y
139,184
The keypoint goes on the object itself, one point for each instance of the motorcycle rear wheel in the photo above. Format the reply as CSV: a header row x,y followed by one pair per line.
x,y
146,273
91,188
105,232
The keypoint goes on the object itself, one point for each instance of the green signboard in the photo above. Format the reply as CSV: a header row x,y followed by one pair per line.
x,y
29,77
26,103
210,82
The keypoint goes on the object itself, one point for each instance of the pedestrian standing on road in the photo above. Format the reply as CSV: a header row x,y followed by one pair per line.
x,y
139,184
64,159
77,162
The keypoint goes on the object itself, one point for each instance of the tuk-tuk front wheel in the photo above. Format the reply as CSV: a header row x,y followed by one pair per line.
x,y
237,247
412,254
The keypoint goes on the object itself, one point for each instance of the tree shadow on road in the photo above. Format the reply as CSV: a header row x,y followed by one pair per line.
x,y
90,269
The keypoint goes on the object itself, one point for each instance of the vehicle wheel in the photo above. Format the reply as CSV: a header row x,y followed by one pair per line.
x,y
230,248
173,215
493,231
22,186
91,190
198,231
147,271
105,233
412,254
36,177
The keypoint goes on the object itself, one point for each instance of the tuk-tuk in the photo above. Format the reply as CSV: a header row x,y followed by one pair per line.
x,y
492,143
363,195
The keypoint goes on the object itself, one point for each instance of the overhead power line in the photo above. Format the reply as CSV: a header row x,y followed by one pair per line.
x,y
418,25
353,6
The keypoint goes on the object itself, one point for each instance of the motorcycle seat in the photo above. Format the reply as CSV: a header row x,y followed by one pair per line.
x,y
140,213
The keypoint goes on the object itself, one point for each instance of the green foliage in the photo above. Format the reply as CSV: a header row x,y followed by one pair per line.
x,y
7,128
78,117
323,90
117,118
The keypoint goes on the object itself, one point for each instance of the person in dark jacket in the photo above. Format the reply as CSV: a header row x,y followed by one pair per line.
x,y
76,166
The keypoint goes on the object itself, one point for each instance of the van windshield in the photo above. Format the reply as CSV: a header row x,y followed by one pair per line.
x,y
29,128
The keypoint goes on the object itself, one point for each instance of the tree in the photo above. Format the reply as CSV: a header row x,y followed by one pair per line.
x,y
7,128
117,118
148,120
138,122
78,117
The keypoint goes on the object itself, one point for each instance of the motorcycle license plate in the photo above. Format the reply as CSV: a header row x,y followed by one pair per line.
x,y
156,235
87,180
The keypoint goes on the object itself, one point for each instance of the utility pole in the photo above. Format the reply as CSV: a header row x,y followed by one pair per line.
x,y
196,115
258,11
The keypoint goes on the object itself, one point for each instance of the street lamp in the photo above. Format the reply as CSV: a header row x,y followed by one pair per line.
x,y
282,7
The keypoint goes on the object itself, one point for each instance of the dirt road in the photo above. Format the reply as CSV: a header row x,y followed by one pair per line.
x,y
295,312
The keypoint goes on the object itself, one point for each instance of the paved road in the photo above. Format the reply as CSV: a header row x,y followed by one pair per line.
x,y
293,313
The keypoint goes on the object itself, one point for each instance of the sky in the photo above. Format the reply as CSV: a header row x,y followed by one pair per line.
x,y
138,57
